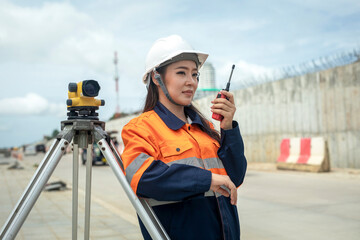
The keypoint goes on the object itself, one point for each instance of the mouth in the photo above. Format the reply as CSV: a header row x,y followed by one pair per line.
x,y
188,92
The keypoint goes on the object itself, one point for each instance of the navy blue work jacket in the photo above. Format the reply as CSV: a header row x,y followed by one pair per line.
x,y
194,216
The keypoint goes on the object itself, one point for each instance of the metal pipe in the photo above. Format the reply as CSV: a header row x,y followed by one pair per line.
x,y
88,191
75,199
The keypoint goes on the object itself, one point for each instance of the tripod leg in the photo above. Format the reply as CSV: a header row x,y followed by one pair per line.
x,y
142,208
75,191
88,191
33,190
116,154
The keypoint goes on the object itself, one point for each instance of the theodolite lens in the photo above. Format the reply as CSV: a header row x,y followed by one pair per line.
x,y
90,88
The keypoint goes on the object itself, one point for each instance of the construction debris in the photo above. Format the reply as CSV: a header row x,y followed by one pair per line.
x,y
55,186
16,165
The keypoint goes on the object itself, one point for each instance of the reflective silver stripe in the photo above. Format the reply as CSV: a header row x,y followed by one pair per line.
x,y
193,161
153,202
135,165
213,163
212,193
209,193
207,163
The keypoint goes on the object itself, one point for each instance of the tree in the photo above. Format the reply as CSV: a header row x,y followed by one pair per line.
x,y
54,133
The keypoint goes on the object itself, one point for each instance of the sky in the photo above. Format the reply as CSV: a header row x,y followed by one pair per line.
x,y
45,45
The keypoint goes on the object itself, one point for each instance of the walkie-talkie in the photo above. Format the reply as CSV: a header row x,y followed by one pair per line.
x,y
216,116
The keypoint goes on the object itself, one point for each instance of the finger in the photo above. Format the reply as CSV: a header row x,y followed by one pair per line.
x,y
219,111
224,107
221,100
222,192
229,95
223,103
233,191
222,112
233,196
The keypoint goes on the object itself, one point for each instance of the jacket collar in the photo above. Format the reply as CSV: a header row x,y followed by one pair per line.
x,y
172,121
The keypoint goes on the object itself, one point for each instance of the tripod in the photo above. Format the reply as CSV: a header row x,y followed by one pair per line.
x,y
83,132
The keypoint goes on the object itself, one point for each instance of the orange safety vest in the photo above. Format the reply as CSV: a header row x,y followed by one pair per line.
x,y
147,138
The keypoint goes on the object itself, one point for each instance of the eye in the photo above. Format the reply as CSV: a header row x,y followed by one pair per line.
x,y
195,75
181,73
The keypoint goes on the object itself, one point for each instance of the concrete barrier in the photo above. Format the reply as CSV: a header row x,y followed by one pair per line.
x,y
304,154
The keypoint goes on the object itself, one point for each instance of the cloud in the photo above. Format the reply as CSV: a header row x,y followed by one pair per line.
x,y
332,7
4,128
31,104
54,32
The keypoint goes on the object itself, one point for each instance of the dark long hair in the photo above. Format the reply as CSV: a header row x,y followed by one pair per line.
x,y
152,98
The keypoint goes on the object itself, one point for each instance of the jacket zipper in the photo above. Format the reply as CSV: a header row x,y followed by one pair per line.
x,y
221,219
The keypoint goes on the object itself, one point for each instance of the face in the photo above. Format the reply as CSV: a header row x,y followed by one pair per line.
x,y
181,81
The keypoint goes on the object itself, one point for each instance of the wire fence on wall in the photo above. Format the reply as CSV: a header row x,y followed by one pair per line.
x,y
315,65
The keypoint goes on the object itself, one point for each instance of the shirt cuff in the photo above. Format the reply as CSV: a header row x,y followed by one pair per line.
x,y
232,134
203,180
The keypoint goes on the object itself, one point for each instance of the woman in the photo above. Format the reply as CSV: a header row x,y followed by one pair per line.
x,y
174,157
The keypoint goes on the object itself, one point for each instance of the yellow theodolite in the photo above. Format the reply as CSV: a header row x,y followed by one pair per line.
x,y
81,102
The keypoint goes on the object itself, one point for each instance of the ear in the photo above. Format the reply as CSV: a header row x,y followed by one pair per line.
x,y
154,79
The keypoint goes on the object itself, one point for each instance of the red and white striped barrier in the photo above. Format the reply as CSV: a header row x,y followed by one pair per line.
x,y
305,154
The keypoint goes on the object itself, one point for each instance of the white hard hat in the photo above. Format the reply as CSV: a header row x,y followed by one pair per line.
x,y
168,50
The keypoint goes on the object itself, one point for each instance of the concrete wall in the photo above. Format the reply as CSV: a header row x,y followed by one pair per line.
x,y
325,103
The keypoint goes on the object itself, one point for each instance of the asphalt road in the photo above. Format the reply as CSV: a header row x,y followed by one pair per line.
x,y
296,205
272,204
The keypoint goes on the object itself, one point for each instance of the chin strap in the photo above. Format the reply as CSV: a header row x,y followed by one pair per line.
x,y
164,89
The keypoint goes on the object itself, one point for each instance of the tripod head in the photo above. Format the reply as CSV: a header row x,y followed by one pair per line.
x,y
81,102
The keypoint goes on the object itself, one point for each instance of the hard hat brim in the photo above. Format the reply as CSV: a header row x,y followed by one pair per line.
x,y
201,56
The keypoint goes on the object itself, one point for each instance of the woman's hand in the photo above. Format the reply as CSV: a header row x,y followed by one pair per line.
x,y
223,180
226,108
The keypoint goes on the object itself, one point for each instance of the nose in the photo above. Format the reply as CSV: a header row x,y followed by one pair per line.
x,y
190,80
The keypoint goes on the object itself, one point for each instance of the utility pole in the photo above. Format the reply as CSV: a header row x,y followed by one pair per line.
x,y
116,77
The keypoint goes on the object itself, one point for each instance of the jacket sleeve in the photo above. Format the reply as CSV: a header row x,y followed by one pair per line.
x,y
231,152
152,178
